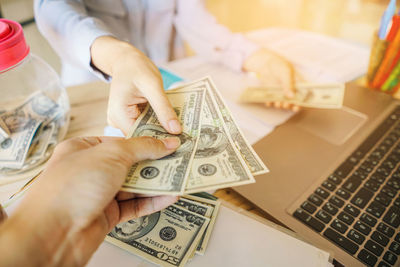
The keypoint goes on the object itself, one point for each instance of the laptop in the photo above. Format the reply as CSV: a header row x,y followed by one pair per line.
x,y
335,178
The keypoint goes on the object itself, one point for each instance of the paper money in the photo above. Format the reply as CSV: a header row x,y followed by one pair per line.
x,y
215,204
195,207
328,96
217,163
40,142
253,162
167,237
22,124
168,176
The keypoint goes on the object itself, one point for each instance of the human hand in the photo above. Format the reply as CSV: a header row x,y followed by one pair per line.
x,y
135,80
75,202
273,69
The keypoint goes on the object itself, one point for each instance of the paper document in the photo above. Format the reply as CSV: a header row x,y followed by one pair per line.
x,y
317,57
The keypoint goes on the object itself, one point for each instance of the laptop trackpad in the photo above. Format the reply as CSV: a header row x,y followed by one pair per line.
x,y
333,125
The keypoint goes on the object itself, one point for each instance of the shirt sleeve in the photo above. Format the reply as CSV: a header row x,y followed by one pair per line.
x,y
70,31
209,38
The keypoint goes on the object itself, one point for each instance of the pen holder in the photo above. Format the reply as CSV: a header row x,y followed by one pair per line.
x,y
384,66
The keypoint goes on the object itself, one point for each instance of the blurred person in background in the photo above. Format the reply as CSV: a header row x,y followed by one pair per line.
x,y
120,39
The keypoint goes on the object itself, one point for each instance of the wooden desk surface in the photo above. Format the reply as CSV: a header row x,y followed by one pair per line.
x,y
88,118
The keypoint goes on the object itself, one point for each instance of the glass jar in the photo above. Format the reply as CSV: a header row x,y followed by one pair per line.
x,y
34,107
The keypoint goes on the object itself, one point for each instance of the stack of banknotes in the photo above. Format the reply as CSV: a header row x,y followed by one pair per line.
x,y
173,235
213,153
27,132
328,96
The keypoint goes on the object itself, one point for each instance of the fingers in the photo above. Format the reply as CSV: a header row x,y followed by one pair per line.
x,y
162,107
122,105
139,207
130,151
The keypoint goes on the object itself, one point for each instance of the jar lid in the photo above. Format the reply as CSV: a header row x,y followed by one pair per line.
x,y
13,47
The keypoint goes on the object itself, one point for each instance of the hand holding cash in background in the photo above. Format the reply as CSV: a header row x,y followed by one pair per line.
x,y
307,95
213,153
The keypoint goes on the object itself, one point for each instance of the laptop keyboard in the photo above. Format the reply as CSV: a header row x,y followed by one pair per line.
x,y
358,206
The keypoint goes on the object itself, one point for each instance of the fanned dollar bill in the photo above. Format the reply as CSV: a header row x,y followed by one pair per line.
x,y
168,176
250,157
328,96
167,237
217,163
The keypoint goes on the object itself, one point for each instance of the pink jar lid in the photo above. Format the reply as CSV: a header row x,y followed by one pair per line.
x,y
13,47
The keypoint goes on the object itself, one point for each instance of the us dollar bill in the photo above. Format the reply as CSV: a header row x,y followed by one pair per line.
x,y
168,176
22,124
40,142
214,204
195,207
329,96
250,157
217,163
166,238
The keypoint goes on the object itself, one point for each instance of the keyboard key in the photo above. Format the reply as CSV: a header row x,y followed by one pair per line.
x,y
378,177
392,217
372,185
339,226
371,221
353,211
308,207
343,216
367,258
394,182
336,201
383,171
390,191
372,160
395,247
387,230
397,237
329,185
310,221
367,167
360,174
397,202
344,169
353,160
380,238
323,216
335,179
356,236
322,193
390,257
362,197
362,227
341,241
374,247
383,199
384,264
328,207
376,209
315,200
343,194
352,184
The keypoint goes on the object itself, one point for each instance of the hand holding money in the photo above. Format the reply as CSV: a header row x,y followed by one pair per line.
x,y
213,153
75,201
307,95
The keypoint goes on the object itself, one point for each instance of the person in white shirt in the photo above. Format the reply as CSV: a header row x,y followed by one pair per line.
x,y
104,38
